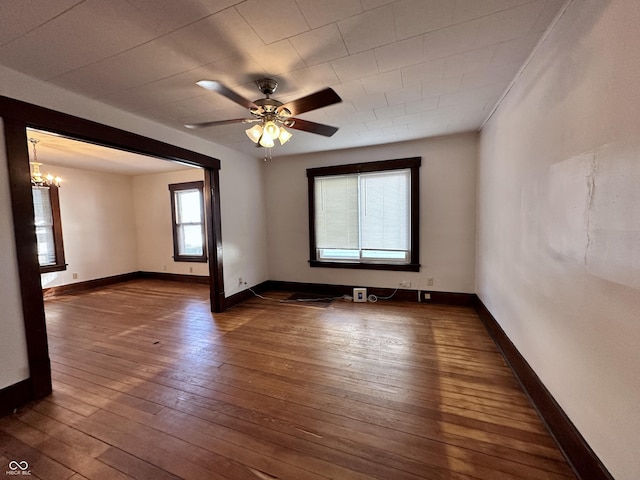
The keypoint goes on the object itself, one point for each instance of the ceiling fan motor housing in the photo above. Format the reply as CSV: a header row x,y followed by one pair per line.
x,y
267,85
268,105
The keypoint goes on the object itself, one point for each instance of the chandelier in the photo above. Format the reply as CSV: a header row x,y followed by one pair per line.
x,y
37,178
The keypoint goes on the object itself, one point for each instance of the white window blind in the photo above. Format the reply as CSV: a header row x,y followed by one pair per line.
x,y
337,212
384,215
43,216
364,217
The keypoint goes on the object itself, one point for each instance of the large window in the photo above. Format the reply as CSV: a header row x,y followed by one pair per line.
x,y
365,215
46,206
187,211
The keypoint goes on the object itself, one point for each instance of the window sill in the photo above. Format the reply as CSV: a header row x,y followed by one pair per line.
x,y
186,258
404,267
53,268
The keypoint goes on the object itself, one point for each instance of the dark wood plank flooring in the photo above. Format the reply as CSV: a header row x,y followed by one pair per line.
x,y
148,384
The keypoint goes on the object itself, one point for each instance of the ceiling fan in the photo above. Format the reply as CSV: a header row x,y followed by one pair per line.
x,y
271,116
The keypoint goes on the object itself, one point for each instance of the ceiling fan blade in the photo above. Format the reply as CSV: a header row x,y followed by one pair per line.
x,y
216,86
312,127
320,99
218,122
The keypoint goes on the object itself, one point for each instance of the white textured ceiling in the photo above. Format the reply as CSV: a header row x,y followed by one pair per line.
x,y
405,69
55,150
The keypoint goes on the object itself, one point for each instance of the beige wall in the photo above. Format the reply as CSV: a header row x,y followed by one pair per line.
x,y
559,225
98,226
154,235
447,215
244,225
115,224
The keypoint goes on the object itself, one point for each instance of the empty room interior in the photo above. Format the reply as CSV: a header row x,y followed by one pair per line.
x,y
342,239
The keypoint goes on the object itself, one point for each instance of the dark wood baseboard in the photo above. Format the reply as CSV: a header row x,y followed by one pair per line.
x,y
125,277
14,396
87,285
449,298
338,290
406,295
245,295
584,461
175,277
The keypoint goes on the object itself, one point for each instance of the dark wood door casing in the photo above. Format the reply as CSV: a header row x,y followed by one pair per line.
x,y
17,116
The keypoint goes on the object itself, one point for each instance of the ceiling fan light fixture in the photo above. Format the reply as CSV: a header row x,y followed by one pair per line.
x,y
254,133
284,136
266,140
271,129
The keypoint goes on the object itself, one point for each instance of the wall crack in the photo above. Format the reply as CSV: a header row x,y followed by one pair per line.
x,y
591,190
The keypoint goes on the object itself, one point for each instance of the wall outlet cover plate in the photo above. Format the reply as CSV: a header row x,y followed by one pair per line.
x,y
359,294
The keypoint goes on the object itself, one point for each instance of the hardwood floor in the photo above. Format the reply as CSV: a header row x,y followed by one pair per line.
x,y
148,384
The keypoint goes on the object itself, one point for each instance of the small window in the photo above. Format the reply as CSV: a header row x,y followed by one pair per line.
x,y
365,215
187,212
46,206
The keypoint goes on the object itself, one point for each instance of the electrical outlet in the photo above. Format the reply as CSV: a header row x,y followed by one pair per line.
x,y
359,294
430,282
240,281
426,296
405,284
190,269
75,276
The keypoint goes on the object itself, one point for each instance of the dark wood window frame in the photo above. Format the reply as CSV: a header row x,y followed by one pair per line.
x,y
177,256
60,265
413,164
